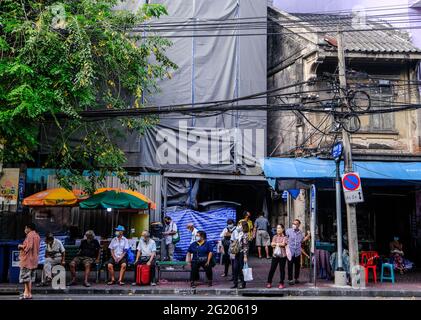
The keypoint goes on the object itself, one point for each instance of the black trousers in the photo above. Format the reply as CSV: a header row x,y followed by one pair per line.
x,y
296,264
226,259
152,270
238,268
275,262
195,267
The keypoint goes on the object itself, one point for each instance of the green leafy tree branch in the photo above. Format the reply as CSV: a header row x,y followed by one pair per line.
x,y
70,56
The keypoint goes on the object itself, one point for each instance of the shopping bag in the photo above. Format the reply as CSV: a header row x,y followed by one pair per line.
x,y
288,251
248,273
277,252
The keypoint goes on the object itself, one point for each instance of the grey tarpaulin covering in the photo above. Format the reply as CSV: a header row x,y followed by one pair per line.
x,y
210,68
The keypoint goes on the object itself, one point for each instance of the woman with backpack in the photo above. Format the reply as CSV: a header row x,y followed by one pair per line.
x,y
239,251
226,241
279,243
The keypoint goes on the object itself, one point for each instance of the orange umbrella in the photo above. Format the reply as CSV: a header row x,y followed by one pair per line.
x,y
131,192
56,197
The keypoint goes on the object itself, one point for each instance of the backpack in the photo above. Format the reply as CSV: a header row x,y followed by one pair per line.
x,y
130,256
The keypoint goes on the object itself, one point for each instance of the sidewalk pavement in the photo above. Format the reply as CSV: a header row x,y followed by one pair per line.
x,y
408,285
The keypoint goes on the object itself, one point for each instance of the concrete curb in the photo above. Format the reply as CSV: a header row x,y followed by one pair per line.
x,y
252,292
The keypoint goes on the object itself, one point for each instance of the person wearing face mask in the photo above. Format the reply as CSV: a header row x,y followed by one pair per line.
x,y
118,246
28,259
89,252
146,253
200,255
295,239
239,250
226,241
279,257
193,232
169,233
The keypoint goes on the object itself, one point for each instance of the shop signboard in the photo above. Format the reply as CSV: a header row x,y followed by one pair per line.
x,y
9,186
351,184
15,258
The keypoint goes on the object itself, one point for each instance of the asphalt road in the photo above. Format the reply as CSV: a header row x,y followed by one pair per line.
x,y
59,297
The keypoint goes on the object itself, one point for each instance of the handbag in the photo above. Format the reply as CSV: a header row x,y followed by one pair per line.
x,y
234,247
247,273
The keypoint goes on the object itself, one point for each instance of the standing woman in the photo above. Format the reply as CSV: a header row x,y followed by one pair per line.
x,y
279,243
226,241
240,248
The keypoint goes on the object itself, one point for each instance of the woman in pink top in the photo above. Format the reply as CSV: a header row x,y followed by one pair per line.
x,y
28,259
279,257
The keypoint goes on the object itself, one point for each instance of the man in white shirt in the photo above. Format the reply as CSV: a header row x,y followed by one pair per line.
x,y
118,246
193,232
146,253
170,234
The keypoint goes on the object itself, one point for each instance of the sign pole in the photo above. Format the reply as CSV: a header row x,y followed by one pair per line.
x,y
350,208
313,207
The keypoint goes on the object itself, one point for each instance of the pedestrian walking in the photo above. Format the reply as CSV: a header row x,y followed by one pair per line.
x,y
240,250
295,239
260,232
279,256
28,259
200,255
225,246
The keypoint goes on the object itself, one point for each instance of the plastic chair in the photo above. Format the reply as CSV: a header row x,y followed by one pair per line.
x,y
369,262
391,275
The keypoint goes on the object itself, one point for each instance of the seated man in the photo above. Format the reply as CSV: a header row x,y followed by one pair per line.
x,y
54,255
146,253
88,254
118,246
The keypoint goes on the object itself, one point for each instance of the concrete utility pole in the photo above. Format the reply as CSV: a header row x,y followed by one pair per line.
x,y
351,212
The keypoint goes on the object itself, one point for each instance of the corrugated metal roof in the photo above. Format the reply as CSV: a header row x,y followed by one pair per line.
x,y
369,36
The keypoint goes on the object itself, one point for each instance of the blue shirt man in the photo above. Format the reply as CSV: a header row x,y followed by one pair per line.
x,y
295,239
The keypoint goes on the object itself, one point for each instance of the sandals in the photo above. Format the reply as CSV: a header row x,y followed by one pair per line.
x,y
22,297
110,283
121,283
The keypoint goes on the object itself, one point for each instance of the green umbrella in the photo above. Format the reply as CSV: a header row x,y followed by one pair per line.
x,y
115,200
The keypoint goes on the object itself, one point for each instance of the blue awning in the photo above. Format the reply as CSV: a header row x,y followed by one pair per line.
x,y
313,168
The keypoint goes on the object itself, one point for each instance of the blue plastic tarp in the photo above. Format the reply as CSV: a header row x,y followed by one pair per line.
x,y
313,168
212,222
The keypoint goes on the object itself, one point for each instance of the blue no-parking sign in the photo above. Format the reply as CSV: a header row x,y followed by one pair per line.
x,y
351,184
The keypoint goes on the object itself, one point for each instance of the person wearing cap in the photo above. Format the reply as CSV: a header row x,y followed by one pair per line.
x,y
193,231
118,246
54,255
89,253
